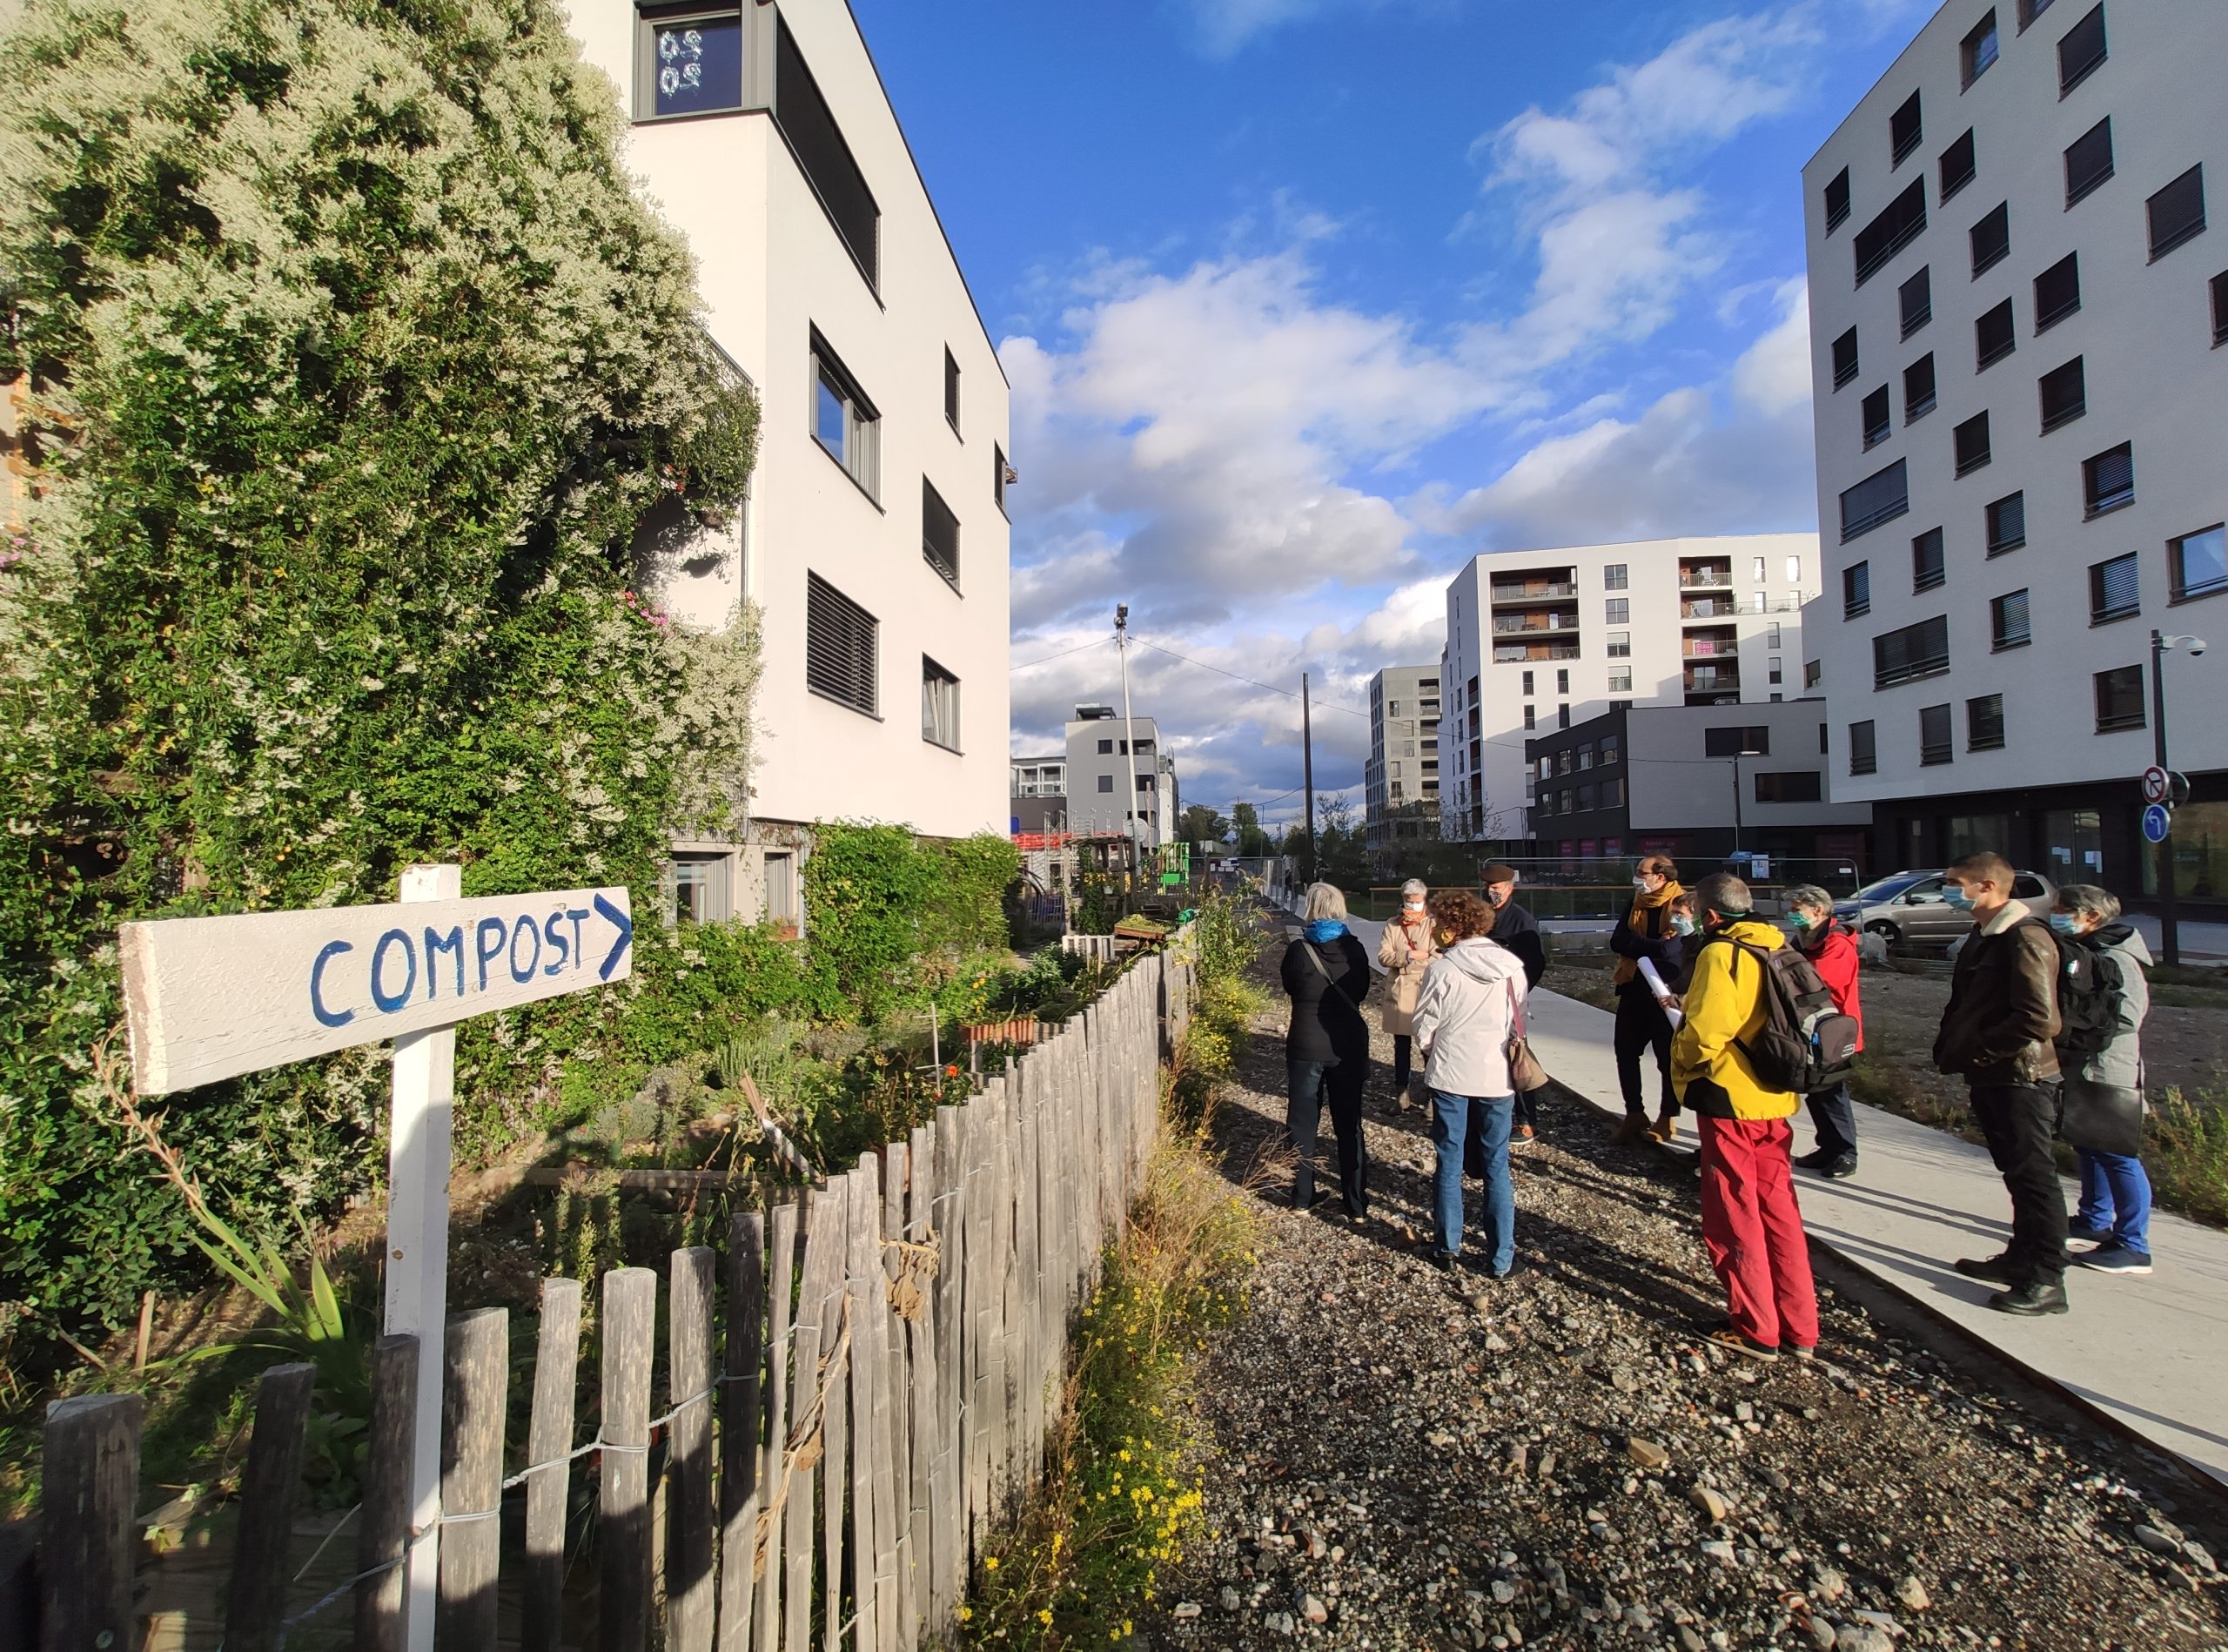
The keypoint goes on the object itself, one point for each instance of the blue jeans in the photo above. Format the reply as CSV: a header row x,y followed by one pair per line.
x,y
2115,1197
1453,1118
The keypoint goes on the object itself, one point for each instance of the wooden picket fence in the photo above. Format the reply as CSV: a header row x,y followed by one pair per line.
x,y
877,1389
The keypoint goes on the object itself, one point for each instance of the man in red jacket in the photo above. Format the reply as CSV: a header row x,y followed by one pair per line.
x,y
1807,918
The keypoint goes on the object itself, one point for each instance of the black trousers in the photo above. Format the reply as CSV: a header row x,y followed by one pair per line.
x,y
1641,1024
1527,1107
1403,1056
1831,1111
1310,1084
2017,1121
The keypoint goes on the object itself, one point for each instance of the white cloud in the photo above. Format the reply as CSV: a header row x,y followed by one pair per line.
x,y
1773,374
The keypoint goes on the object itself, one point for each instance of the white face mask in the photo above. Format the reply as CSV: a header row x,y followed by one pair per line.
x,y
1642,885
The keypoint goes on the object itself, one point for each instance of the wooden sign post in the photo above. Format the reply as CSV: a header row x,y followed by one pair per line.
x,y
214,998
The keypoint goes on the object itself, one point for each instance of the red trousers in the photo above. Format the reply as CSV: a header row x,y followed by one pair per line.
x,y
1754,1230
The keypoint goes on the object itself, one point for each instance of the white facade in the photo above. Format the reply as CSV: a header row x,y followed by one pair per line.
x,y
1960,635
827,278
1537,640
1402,770
1104,770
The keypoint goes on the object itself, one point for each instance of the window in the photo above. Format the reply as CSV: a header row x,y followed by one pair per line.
x,y
1621,679
1903,131
2220,309
2115,589
1856,590
1621,645
1562,716
1795,570
1991,238
687,61
1618,610
1145,782
1933,736
1957,164
939,705
1862,757
1926,560
999,476
1814,673
1918,387
951,391
1562,681
1611,750
2057,291
1984,723
1994,337
1106,748
2007,523
1876,421
781,889
1916,296
1977,50
1970,440
826,159
1823,746
1836,200
2119,699
939,533
2064,395
1881,497
1527,682
2030,9
2108,479
1752,740
700,885
1899,223
1787,786
1106,782
1774,671
1916,651
1771,635
1613,794
841,647
1612,577
2080,49
2177,212
2007,622
1531,717
843,421
1845,358
2089,160
2197,564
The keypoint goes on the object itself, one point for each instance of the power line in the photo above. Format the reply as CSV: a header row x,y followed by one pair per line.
x,y
1328,705
1097,643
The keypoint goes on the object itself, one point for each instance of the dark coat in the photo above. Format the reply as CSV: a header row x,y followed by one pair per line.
x,y
1518,931
1326,1023
2003,1012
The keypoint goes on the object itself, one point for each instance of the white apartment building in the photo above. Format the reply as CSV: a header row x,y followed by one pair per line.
x,y
1104,771
2016,318
874,543
1539,640
1039,794
1400,776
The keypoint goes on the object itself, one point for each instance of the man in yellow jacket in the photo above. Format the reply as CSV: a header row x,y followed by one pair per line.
x,y
1750,1220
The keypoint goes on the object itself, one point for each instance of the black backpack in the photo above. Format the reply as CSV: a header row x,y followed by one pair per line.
x,y
1807,1043
2090,992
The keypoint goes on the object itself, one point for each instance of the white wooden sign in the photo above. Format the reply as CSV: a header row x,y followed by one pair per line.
x,y
213,997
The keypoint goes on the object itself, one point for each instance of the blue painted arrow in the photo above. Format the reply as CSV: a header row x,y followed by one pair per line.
x,y
625,925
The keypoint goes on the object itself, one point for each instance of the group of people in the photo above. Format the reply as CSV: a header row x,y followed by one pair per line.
x,y
2044,1023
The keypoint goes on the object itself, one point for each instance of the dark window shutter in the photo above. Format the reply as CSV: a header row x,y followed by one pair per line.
x,y
2111,478
1901,222
2089,160
2115,588
2007,523
1957,166
1971,444
811,126
1934,734
1904,129
1845,358
2057,291
1876,419
1864,758
1879,498
2177,212
1984,723
2080,49
939,533
1837,200
1992,237
1926,560
1994,336
1918,386
2064,394
840,647
1917,300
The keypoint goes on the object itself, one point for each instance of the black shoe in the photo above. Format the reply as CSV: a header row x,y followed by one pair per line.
x,y
1816,1158
2033,1300
1997,1270
1840,1169
1438,1259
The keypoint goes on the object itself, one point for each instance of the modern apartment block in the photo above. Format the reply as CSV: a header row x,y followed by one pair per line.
x,y
1104,771
2017,318
1039,794
1537,640
1400,778
874,544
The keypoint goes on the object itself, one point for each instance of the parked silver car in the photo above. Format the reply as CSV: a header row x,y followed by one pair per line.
x,y
1907,908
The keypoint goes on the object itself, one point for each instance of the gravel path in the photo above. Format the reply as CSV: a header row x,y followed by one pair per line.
x,y
1407,1461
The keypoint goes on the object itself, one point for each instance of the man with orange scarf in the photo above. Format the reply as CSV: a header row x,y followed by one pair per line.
x,y
1649,932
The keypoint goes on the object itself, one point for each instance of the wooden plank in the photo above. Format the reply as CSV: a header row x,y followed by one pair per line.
x,y
475,1374
91,1491
549,1440
1028,1277
1010,1357
922,1372
818,1328
257,1602
383,1535
864,1285
690,1588
840,1341
982,1293
765,1558
947,1486
895,1522
630,1314
213,997
742,1454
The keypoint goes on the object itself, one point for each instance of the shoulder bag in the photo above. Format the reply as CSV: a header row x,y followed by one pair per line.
x,y
1524,1072
1316,958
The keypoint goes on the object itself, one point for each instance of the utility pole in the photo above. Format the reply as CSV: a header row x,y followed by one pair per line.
x,y
1307,773
1129,736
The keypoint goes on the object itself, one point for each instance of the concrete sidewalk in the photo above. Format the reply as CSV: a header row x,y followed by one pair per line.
x,y
2153,1352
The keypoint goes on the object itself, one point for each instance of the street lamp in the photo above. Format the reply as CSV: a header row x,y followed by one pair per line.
x,y
1737,756
2169,934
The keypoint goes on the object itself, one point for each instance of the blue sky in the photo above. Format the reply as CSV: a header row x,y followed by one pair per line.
x,y
1303,304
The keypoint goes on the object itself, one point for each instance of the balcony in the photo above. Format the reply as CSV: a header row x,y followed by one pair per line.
x,y
1691,609
1707,576
1723,677
1535,624
1526,652
1723,649
1534,590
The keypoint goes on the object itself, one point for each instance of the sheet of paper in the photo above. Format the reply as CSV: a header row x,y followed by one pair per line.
x,y
1655,985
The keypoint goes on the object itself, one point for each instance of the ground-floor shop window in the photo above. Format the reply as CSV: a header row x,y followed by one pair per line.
x,y
1964,834
2200,853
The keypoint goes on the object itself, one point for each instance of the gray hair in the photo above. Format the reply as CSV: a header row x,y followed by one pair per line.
x,y
2087,900
1805,894
1415,886
1322,901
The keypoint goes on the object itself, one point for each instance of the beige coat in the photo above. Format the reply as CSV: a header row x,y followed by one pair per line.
x,y
1404,952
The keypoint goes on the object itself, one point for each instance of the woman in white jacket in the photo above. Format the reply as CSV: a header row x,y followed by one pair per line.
x,y
1471,1002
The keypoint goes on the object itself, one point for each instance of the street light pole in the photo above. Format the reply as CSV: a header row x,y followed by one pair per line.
x,y
1736,803
2169,929
1133,829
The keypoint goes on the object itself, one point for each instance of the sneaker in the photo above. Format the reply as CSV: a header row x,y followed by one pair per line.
x,y
1840,1170
1806,1355
2031,1301
1733,1342
1997,1270
1522,1132
2079,1235
1629,1129
2115,1257
1438,1259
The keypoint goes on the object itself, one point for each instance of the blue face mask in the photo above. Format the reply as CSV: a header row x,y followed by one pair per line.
x,y
2065,923
1954,895
1324,929
1682,924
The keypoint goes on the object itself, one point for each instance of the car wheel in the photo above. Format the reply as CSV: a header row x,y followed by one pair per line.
x,y
1887,932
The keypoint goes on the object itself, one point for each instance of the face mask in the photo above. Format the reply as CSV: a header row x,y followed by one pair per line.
x,y
2065,923
1640,884
1682,924
1413,909
1497,897
1795,924
1956,895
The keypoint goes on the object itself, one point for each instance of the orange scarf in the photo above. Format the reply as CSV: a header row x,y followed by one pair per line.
x,y
1635,919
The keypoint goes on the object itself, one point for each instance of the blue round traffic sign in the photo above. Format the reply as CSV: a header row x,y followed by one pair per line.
x,y
2156,820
